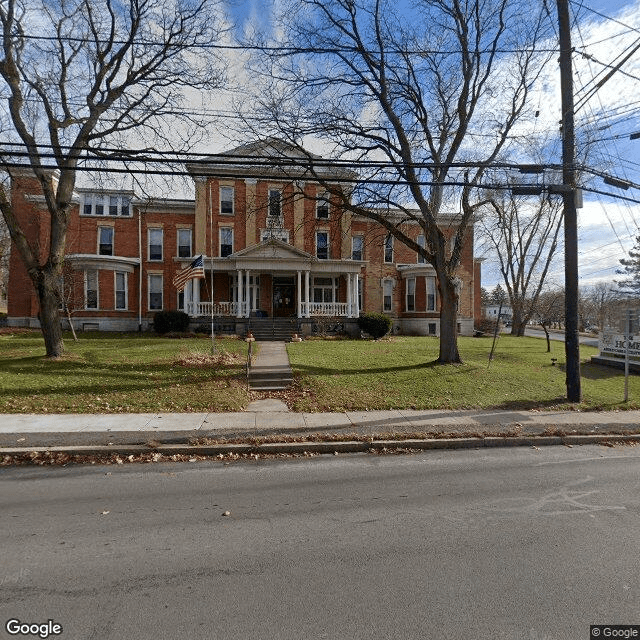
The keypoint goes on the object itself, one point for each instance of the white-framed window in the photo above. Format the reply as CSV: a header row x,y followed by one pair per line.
x,y
184,243
101,204
91,289
275,203
431,293
105,241
155,291
226,241
387,295
357,247
360,305
155,236
322,206
410,303
324,289
227,201
322,245
121,290
420,240
388,248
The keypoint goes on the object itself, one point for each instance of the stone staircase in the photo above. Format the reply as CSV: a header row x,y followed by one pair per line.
x,y
270,370
279,329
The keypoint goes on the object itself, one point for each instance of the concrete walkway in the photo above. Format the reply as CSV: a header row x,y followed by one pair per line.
x,y
270,370
271,419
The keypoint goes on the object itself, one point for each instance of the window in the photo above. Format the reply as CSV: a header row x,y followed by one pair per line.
x,y
387,293
155,292
226,241
322,245
431,293
227,201
99,204
105,241
388,248
184,243
323,289
91,289
411,294
121,290
322,206
432,328
357,246
275,203
420,241
360,294
155,244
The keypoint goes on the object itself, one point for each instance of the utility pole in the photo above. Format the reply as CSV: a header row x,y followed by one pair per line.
x,y
571,344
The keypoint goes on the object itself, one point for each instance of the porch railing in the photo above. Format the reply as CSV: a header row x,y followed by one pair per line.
x,y
326,309
203,309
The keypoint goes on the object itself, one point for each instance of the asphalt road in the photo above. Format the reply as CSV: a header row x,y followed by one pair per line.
x,y
509,544
590,341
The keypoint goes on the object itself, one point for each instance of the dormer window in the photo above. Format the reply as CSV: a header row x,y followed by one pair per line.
x,y
100,204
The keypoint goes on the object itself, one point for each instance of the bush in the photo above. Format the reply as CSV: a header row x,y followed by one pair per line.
x,y
486,326
165,321
375,324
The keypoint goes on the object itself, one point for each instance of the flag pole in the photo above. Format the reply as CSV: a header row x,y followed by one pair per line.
x,y
213,337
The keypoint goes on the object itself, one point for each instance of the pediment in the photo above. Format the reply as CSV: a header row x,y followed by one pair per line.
x,y
273,249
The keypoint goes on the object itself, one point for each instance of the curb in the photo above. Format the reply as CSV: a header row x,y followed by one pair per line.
x,y
327,447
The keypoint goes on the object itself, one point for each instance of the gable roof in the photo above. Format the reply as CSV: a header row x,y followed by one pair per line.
x,y
269,158
273,249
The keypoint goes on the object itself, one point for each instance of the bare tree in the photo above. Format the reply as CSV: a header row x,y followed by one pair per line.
x,y
550,311
82,76
523,234
5,247
430,96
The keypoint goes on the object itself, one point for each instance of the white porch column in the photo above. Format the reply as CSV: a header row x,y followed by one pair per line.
x,y
239,290
299,294
195,294
307,296
356,313
247,313
349,295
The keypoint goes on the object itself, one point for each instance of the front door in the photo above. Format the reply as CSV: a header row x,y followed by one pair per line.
x,y
284,303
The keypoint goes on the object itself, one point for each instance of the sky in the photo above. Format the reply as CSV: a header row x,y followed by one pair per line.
x,y
607,226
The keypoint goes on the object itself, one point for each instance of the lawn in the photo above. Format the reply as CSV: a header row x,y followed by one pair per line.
x,y
396,373
109,373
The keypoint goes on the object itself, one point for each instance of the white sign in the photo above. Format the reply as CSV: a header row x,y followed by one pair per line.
x,y
616,344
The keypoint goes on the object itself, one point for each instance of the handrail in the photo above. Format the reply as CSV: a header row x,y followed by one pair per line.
x,y
249,359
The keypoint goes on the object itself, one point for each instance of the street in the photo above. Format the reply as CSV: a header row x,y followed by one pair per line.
x,y
590,341
514,544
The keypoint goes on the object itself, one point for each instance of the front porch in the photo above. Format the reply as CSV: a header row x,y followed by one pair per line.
x,y
275,280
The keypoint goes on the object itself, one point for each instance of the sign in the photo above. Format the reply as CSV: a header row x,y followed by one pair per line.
x,y
616,344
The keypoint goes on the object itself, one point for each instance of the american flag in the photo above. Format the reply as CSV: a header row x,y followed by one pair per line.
x,y
194,270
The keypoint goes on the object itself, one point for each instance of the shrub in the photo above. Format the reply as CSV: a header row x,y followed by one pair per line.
x,y
485,326
375,324
165,321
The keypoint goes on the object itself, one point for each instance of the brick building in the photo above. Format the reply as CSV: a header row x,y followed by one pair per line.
x,y
273,246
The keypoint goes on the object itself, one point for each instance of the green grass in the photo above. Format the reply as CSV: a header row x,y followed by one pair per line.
x,y
109,373
399,373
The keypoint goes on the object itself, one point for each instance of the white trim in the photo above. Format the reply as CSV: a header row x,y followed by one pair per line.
x,y
233,199
86,289
220,230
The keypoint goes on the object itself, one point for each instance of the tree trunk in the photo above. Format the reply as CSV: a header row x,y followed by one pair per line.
x,y
448,323
546,333
46,284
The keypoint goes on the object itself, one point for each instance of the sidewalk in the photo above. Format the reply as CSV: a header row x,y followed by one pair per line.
x,y
269,418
